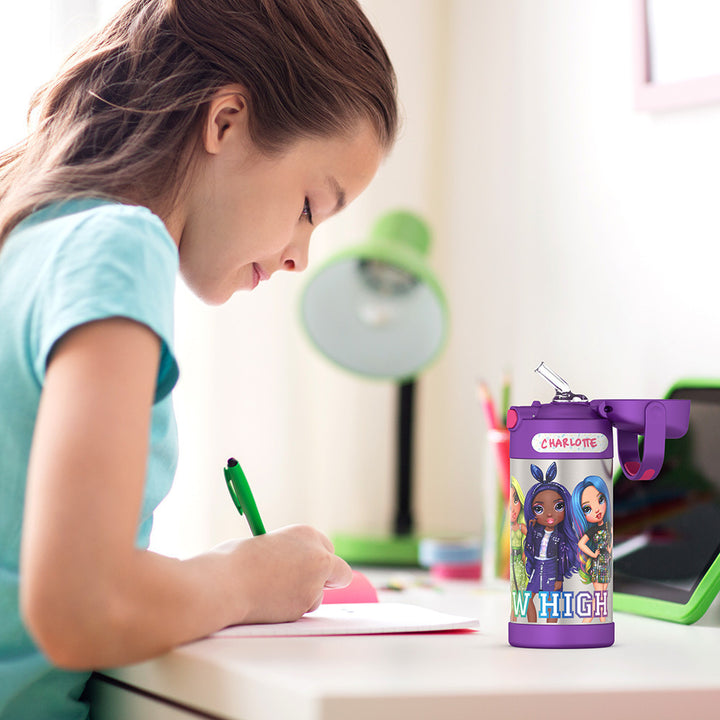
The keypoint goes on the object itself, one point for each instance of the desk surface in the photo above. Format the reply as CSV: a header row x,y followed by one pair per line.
x,y
655,669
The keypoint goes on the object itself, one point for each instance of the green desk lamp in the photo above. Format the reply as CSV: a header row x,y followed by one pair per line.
x,y
378,311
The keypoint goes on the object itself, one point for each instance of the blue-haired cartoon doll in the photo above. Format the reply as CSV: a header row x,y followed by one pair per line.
x,y
591,519
551,543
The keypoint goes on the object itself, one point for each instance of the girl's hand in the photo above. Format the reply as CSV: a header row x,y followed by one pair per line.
x,y
280,576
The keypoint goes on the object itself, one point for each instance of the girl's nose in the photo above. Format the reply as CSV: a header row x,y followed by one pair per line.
x,y
296,255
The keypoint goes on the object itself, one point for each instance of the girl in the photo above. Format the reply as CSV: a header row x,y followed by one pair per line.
x,y
209,135
550,543
592,523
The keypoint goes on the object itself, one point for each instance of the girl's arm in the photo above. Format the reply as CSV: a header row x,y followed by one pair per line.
x,y
88,596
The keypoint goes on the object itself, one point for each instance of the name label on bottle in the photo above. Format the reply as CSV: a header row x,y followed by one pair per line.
x,y
570,442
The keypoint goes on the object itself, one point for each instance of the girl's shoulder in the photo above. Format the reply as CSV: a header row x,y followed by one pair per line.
x,y
95,218
88,231
84,260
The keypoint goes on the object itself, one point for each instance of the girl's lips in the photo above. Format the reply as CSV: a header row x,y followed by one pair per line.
x,y
258,275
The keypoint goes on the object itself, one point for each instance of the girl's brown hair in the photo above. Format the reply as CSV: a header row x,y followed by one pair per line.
x,y
122,118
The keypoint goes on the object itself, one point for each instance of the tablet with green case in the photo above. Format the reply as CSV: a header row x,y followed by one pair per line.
x,y
666,544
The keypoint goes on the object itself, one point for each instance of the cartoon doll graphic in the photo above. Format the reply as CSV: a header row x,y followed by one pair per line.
x,y
551,544
518,531
592,522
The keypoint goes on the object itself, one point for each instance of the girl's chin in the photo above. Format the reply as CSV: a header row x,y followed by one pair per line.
x,y
211,293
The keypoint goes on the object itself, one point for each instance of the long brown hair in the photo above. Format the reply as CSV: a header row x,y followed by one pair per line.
x,y
122,117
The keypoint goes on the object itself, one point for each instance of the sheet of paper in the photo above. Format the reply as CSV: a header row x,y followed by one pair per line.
x,y
356,619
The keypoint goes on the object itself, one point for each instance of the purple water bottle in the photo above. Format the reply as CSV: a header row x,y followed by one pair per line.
x,y
561,533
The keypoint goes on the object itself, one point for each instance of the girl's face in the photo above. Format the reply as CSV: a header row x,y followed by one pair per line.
x,y
548,508
515,506
246,215
594,504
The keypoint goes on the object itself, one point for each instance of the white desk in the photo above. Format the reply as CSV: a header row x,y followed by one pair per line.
x,y
655,670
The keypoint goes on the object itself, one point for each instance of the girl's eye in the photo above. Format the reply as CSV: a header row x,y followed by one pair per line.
x,y
559,507
306,213
538,509
601,500
586,509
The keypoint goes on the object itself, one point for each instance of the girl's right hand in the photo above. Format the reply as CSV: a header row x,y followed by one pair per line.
x,y
280,576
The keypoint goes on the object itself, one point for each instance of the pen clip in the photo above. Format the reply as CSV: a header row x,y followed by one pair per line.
x,y
234,494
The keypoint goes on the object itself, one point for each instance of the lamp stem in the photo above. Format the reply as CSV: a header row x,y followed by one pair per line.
x,y
406,401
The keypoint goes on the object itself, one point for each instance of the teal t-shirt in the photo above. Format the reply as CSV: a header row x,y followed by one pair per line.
x,y
66,265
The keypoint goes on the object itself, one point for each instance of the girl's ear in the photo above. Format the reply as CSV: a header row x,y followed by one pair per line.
x,y
227,113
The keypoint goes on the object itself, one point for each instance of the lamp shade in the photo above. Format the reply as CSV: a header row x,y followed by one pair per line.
x,y
377,309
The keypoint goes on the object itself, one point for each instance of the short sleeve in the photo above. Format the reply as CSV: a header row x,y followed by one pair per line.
x,y
115,261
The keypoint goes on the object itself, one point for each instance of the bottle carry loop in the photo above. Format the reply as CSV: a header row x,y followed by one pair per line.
x,y
656,420
654,450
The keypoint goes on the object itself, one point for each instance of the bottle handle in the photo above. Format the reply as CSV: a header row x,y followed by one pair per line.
x,y
649,466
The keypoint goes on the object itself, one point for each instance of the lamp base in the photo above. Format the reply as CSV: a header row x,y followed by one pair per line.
x,y
398,550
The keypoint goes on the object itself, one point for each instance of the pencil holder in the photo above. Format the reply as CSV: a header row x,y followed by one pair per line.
x,y
560,508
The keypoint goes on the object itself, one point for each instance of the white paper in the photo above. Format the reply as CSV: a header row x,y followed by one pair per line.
x,y
356,619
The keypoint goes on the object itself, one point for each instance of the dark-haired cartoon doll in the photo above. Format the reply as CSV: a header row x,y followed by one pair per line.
x,y
551,543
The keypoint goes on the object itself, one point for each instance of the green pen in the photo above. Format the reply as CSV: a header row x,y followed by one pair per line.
x,y
242,496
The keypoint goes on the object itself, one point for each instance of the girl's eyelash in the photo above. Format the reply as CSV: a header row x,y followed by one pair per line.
x,y
307,212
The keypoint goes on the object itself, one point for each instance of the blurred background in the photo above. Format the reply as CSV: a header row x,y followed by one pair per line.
x,y
568,227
